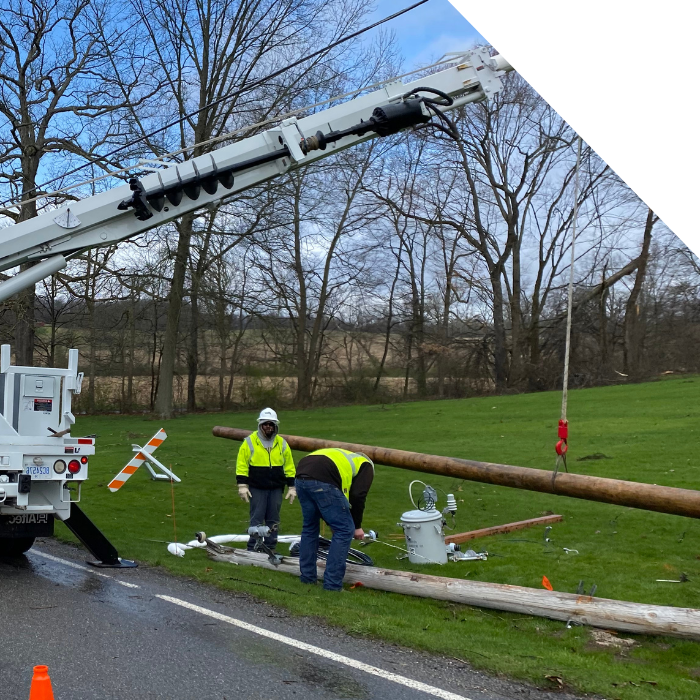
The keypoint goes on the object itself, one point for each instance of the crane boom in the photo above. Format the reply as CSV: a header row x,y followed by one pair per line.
x,y
170,192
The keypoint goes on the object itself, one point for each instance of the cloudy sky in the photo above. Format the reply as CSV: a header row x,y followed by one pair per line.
x,y
429,31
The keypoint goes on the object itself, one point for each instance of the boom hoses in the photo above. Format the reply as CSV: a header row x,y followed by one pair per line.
x,y
414,110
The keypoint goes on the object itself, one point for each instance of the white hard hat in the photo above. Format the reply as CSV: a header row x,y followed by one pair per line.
x,y
267,414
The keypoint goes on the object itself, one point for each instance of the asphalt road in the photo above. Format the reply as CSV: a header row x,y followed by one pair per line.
x,y
143,634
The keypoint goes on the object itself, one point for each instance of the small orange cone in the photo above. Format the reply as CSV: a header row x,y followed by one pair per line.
x,y
41,684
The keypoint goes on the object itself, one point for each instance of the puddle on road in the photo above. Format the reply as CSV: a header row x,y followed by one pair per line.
x,y
314,672
331,678
100,588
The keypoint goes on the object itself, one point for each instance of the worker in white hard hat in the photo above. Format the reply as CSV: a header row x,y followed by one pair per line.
x,y
263,468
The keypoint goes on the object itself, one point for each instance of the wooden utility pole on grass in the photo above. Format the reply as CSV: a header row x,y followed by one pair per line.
x,y
663,499
567,607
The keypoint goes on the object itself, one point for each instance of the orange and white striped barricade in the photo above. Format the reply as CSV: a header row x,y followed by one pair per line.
x,y
144,455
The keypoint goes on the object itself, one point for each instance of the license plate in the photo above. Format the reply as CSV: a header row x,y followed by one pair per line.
x,y
26,525
38,472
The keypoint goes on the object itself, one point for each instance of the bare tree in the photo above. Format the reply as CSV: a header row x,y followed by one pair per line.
x,y
632,344
315,255
213,48
54,99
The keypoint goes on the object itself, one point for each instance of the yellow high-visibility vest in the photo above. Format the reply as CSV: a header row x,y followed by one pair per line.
x,y
348,464
254,454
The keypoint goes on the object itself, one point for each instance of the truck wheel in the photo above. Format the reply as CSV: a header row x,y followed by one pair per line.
x,y
15,546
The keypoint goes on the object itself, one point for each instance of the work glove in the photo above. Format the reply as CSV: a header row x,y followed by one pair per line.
x,y
291,494
244,492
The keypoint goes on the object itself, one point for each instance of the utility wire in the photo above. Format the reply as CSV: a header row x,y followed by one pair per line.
x,y
239,91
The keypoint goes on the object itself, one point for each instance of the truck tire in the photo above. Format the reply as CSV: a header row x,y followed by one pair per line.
x,y
13,547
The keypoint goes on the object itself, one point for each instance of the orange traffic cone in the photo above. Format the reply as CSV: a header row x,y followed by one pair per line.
x,y
41,684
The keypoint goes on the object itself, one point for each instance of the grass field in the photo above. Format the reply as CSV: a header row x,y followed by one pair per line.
x,y
647,432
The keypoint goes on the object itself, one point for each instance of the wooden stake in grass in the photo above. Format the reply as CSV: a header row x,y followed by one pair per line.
x,y
172,493
500,529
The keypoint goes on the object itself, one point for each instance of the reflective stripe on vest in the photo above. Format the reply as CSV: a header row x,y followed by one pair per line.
x,y
251,447
353,467
346,462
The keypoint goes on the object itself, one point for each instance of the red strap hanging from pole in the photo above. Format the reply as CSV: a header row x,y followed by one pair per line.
x,y
562,446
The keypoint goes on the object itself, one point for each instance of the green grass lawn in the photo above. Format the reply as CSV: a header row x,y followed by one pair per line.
x,y
648,432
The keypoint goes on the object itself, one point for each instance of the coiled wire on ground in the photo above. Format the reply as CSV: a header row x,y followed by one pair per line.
x,y
354,555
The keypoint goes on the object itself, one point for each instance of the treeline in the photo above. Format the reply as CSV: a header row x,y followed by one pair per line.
x,y
432,263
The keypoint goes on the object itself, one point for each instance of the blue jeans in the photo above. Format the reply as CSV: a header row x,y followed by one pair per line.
x,y
320,500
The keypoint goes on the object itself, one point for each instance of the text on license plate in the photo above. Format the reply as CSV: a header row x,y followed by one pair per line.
x,y
37,471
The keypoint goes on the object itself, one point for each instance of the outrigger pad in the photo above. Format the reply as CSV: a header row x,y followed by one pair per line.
x,y
120,564
94,541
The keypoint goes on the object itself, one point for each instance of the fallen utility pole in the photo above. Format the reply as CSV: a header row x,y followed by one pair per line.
x,y
567,607
501,529
663,499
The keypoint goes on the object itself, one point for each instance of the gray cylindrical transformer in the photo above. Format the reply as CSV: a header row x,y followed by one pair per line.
x,y
425,538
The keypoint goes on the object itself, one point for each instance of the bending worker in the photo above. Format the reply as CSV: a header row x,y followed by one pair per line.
x,y
263,467
332,484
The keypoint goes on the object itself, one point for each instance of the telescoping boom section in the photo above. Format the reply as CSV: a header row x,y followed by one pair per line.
x,y
170,192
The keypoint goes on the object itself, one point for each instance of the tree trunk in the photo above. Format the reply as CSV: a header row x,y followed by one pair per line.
x,y
408,364
534,338
122,402
603,323
632,343
54,325
132,349
419,320
91,356
154,366
303,359
193,351
515,371
164,395
500,356
24,329
222,376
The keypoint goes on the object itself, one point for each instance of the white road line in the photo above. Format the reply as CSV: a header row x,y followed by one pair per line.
x,y
338,658
359,665
90,570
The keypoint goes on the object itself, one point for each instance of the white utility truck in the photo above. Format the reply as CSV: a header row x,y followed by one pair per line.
x,y
39,458
42,467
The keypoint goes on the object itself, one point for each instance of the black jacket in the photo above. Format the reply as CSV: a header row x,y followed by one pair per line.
x,y
322,468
